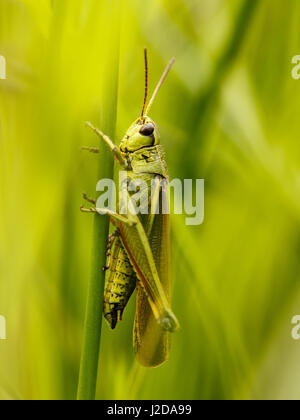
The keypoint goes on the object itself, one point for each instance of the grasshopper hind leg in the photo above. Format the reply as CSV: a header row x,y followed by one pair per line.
x,y
111,239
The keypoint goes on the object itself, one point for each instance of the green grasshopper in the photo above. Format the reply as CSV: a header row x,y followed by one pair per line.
x,y
139,249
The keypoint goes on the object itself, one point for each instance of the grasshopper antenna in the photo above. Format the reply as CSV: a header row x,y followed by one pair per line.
x,y
146,82
163,77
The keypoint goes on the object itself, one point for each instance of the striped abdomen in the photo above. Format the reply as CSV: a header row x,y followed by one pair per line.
x,y
120,284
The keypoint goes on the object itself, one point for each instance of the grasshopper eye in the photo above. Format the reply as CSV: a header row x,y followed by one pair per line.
x,y
147,130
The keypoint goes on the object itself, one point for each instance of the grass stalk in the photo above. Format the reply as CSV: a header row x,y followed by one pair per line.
x,y
93,319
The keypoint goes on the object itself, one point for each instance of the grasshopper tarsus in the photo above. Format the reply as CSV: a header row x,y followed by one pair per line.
x,y
88,199
94,150
89,210
85,210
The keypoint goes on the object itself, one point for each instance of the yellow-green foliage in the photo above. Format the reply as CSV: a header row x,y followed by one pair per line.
x,y
228,113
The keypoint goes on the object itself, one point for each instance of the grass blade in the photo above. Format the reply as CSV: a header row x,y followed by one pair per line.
x,y
93,320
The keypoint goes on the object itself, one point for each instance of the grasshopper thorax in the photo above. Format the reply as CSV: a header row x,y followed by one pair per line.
x,y
142,133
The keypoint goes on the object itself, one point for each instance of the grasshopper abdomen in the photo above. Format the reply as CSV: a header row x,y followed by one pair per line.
x,y
120,284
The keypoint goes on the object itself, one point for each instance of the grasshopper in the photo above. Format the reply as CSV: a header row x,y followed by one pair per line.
x,y
138,253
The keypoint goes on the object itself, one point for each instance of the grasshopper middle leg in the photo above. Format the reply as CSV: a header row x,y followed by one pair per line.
x,y
115,216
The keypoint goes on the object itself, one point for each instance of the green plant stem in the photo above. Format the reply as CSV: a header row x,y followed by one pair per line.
x,y
93,320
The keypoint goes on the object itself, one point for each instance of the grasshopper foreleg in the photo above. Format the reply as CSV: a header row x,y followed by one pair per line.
x,y
94,150
113,148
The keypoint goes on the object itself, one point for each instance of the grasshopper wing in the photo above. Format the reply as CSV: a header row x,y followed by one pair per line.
x,y
150,256
151,343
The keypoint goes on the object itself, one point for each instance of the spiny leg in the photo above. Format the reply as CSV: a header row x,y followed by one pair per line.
x,y
111,239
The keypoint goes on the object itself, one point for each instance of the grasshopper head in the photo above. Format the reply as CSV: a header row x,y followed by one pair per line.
x,y
142,133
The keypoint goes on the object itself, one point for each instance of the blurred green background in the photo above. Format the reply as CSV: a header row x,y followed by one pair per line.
x,y
228,113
